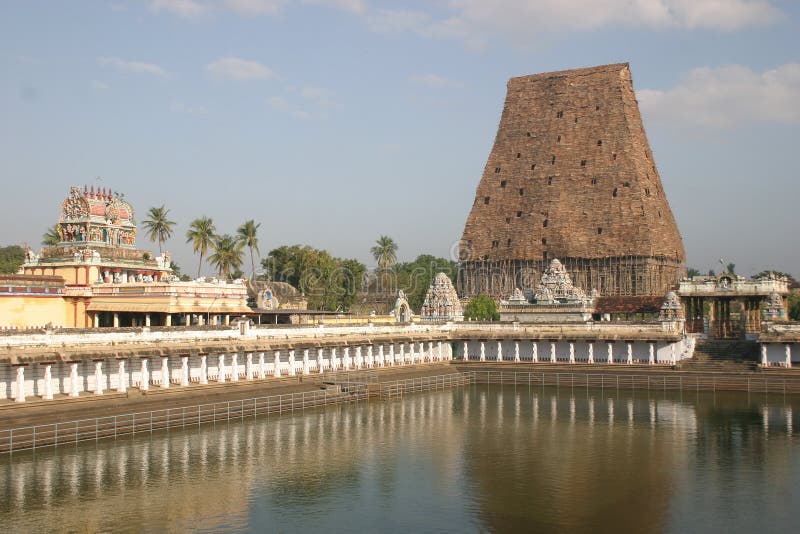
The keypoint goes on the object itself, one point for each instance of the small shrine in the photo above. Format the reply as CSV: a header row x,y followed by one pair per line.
x,y
441,302
556,299
97,243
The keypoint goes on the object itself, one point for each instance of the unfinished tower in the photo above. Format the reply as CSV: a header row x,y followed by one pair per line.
x,y
571,176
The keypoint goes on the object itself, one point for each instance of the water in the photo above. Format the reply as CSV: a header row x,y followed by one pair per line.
x,y
484,458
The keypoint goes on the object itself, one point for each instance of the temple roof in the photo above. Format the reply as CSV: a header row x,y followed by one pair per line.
x,y
99,206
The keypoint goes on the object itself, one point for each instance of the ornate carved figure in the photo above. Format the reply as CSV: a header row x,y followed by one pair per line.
x,y
441,301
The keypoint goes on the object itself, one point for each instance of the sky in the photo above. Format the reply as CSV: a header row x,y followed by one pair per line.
x,y
332,122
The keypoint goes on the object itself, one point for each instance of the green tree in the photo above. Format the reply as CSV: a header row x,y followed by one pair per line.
x,y
227,255
247,235
329,283
11,259
793,305
384,252
158,226
692,272
51,238
731,268
482,308
201,235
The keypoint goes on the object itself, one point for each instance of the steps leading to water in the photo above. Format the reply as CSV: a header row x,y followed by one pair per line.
x,y
722,355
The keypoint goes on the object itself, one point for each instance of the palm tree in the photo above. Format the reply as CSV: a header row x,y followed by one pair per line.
x,y
201,235
385,252
246,235
51,238
159,228
227,254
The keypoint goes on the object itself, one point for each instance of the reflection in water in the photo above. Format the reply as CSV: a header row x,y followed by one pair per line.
x,y
482,458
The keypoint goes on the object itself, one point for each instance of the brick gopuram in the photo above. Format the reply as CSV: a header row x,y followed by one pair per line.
x,y
571,176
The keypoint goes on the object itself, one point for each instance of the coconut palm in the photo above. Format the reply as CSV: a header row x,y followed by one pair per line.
x,y
227,254
51,238
201,235
385,252
158,226
246,235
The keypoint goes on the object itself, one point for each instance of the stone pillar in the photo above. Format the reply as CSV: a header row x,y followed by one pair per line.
x,y
764,360
168,320
19,385
391,354
200,319
535,352
96,320
553,358
499,350
439,349
591,352
116,320
346,359
221,366
411,355
430,351
235,367
147,319
249,366
291,363
359,358
571,352
262,366
516,351
672,353
421,357
333,363
98,377
204,369
319,360
185,371
402,354
483,352
788,351
630,353
652,357
306,370
143,386
381,358
165,372
465,356
277,363
48,382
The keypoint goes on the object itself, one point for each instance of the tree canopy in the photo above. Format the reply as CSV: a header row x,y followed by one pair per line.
x,y
158,226
384,252
482,308
11,259
201,235
51,238
329,283
247,235
227,256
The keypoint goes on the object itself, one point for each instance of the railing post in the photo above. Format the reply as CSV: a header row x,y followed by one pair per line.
x,y
115,428
34,438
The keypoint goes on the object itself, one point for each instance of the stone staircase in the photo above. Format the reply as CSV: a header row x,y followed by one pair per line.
x,y
722,356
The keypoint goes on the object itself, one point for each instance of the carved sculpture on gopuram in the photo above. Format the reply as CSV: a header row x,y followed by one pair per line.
x,y
441,302
98,217
672,308
556,287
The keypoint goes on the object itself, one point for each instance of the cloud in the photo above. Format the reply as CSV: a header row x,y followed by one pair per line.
x,y
353,6
726,97
196,111
182,8
254,7
136,67
433,81
280,104
99,86
234,68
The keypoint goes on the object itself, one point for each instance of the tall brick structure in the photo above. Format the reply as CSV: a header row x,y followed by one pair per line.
x,y
571,176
